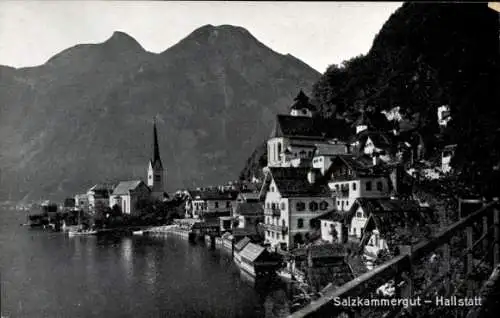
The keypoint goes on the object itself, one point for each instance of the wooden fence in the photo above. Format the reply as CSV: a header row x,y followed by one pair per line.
x,y
474,241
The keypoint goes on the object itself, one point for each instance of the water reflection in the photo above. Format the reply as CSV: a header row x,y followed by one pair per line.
x,y
127,257
56,276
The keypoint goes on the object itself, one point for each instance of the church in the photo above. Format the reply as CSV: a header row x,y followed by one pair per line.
x,y
127,194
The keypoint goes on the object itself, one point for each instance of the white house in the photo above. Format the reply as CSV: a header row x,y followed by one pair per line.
x,y
444,115
293,198
351,177
98,195
127,194
208,204
387,223
324,153
81,201
446,156
333,227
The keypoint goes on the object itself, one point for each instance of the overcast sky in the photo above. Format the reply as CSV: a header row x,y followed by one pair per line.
x,y
319,33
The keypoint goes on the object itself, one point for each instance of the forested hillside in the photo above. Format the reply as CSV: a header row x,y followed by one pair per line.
x,y
425,56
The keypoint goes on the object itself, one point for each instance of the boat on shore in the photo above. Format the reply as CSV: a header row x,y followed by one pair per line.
x,y
82,232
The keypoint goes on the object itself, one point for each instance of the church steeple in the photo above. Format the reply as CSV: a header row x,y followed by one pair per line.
x,y
156,149
156,178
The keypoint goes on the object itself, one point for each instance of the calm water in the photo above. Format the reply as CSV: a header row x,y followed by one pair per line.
x,y
51,275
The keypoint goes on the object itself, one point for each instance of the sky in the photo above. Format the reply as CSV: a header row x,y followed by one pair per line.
x,y
318,33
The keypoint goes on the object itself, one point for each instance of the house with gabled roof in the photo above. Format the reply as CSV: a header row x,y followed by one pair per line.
x,y
393,225
249,214
293,198
350,177
256,260
127,195
324,153
334,226
294,135
98,195
362,123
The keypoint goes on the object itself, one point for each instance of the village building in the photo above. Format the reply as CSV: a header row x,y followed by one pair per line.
x,y
334,226
395,225
446,156
128,196
238,247
351,177
363,123
249,214
257,260
98,196
82,201
444,115
292,141
293,198
324,154
212,207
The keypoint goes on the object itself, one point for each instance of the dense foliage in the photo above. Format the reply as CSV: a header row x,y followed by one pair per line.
x,y
425,56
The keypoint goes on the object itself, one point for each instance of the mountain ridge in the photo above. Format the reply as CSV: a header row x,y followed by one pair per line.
x,y
87,117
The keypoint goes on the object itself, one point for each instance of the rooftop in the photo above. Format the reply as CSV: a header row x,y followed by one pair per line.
x,y
293,182
213,194
302,101
241,244
293,126
249,209
124,187
252,251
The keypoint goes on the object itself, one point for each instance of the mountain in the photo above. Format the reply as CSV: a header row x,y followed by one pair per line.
x,y
427,55
85,116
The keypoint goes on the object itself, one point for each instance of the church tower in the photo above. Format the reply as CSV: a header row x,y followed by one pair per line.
x,y
156,174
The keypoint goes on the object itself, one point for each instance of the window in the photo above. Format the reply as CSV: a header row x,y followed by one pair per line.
x,y
359,214
268,233
283,206
354,186
380,186
300,223
338,203
279,148
337,187
150,177
313,206
216,204
304,111
300,206
272,189
228,204
323,205
369,186
268,205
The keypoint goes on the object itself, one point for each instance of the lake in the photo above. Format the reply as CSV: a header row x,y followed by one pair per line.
x,y
46,274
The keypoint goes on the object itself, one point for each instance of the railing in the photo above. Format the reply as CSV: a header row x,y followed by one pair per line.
x,y
437,273
276,228
272,212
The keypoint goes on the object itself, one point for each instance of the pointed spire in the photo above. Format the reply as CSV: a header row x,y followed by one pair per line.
x,y
301,101
156,148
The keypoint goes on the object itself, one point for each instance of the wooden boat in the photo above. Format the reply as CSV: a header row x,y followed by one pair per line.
x,y
140,232
82,232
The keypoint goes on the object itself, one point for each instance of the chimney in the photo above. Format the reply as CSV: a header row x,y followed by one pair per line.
x,y
311,176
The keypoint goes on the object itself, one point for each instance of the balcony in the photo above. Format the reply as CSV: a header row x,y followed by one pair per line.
x,y
276,228
272,212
